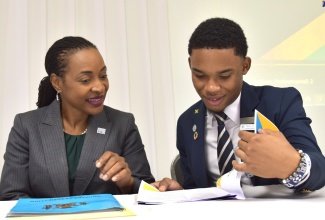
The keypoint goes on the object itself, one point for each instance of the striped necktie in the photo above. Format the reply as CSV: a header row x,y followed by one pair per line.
x,y
225,148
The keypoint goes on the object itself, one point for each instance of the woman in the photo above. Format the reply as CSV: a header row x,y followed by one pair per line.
x,y
73,144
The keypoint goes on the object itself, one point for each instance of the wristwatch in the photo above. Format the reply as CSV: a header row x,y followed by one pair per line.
x,y
301,173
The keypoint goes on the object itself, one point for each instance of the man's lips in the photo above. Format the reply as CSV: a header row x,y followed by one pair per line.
x,y
214,101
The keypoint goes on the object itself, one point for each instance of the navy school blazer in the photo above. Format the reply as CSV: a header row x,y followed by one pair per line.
x,y
283,106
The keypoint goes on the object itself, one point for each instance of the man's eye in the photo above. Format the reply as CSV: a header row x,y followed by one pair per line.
x,y
200,76
225,77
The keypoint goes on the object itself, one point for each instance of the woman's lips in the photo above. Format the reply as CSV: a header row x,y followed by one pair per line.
x,y
96,101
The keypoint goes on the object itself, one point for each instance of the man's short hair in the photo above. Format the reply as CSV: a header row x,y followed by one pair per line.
x,y
219,33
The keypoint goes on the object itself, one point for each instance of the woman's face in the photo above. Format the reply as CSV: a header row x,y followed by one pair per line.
x,y
84,84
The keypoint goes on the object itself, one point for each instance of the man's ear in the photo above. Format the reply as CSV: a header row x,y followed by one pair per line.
x,y
56,82
246,65
189,61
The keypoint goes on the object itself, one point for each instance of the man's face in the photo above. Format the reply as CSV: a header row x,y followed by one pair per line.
x,y
217,76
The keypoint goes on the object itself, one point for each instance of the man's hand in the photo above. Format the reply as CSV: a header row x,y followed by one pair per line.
x,y
267,154
167,184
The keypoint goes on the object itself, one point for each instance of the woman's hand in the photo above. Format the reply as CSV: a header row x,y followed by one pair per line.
x,y
114,168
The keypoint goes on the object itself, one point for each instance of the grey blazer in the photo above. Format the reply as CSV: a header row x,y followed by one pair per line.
x,y
36,163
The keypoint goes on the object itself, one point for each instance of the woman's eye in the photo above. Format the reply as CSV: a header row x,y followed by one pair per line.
x,y
104,76
85,81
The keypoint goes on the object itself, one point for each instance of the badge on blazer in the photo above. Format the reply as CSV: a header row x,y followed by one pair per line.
x,y
194,128
101,130
196,135
247,124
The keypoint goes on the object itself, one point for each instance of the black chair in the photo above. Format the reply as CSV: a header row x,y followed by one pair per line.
x,y
175,170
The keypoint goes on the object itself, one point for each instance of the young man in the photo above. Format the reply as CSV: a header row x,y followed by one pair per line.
x,y
291,156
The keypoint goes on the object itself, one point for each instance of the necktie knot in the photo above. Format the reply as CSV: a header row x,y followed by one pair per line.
x,y
221,117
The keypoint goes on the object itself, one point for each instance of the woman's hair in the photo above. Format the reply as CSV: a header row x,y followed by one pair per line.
x,y
219,33
56,61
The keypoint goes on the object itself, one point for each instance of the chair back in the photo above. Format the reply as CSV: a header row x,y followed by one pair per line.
x,y
175,170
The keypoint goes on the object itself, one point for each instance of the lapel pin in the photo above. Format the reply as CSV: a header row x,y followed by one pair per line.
x,y
196,111
101,130
196,135
194,128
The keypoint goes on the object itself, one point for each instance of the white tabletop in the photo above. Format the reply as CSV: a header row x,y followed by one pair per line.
x,y
269,202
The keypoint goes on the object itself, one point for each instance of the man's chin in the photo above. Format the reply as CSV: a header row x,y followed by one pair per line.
x,y
214,108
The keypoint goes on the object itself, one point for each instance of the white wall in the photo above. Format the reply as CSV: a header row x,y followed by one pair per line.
x,y
144,44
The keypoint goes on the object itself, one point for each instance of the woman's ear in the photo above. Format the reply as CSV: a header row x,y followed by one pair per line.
x,y
55,81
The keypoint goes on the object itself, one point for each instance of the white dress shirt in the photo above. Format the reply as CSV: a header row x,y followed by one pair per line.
x,y
232,125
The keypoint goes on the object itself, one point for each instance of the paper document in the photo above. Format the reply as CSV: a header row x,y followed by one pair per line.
x,y
150,195
230,182
260,122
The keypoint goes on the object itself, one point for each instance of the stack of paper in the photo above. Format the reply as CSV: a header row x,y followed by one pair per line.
x,y
150,195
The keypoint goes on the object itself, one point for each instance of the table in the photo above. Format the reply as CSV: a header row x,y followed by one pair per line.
x,y
262,202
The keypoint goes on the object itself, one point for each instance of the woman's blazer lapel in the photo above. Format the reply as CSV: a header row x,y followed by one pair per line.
x,y
54,149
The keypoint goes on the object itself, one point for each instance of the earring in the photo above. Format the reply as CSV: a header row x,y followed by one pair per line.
x,y
57,96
